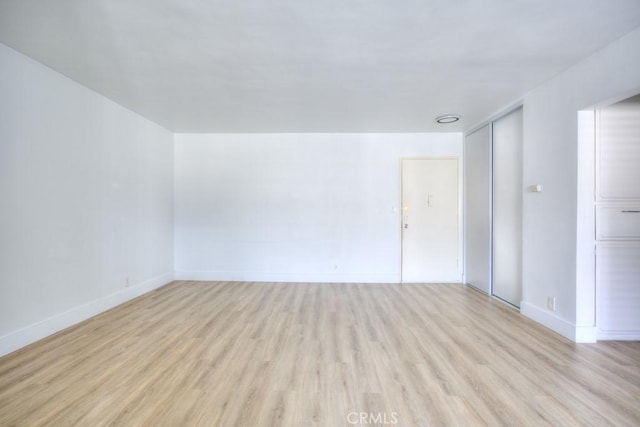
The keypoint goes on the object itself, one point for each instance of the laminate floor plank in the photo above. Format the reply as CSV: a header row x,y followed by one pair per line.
x,y
326,354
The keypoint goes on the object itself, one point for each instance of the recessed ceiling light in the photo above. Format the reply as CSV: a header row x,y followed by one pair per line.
x,y
447,118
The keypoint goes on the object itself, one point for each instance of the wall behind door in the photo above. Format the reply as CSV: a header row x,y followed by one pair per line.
x,y
293,207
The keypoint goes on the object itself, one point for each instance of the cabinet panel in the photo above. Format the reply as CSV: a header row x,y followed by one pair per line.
x,y
617,225
618,222
618,174
618,289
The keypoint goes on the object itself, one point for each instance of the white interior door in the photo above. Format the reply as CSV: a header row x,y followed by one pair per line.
x,y
477,209
507,208
430,221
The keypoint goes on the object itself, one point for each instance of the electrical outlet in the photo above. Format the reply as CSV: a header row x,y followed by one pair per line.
x,y
551,303
127,281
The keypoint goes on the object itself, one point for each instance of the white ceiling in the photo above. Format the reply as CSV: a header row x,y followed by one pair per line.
x,y
312,66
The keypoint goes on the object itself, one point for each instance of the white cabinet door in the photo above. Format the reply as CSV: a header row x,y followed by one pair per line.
x,y
619,222
618,290
617,203
618,148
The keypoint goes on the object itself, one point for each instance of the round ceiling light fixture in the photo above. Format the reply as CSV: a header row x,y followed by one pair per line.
x,y
448,118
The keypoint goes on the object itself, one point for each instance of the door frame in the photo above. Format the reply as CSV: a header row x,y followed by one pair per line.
x,y
521,205
489,194
458,213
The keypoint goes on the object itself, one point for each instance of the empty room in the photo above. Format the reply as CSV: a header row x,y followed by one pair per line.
x,y
334,213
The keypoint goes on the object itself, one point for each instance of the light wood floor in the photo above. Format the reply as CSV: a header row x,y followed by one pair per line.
x,y
254,354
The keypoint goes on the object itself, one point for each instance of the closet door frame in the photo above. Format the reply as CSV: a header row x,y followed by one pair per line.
x,y
490,290
506,283
474,281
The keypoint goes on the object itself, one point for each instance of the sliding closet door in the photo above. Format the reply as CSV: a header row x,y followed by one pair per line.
x,y
507,208
477,209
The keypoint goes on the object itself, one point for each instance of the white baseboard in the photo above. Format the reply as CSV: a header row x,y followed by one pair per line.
x,y
586,334
36,331
619,335
580,334
260,276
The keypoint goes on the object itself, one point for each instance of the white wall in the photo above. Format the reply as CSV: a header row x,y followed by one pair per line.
x,y
293,207
550,153
85,202
86,199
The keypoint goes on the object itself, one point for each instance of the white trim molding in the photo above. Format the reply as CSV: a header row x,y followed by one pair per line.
x,y
619,335
264,276
49,326
579,334
586,334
